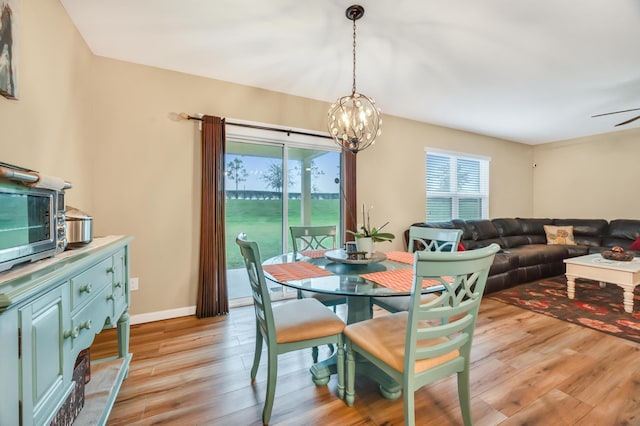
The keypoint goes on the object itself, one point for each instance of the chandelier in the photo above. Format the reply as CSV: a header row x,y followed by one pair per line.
x,y
354,120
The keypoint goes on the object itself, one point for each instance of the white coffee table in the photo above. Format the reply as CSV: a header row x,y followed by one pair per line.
x,y
595,267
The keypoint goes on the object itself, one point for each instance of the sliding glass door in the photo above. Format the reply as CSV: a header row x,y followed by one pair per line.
x,y
270,185
314,188
253,189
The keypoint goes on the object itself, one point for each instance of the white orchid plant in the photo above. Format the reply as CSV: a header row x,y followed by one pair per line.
x,y
367,231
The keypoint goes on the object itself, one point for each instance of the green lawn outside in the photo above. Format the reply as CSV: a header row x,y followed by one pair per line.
x,y
261,221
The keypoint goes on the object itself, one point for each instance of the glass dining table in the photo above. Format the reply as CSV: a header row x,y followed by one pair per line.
x,y
358,280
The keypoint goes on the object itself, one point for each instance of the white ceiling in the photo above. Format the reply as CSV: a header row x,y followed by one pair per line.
x,y
527,71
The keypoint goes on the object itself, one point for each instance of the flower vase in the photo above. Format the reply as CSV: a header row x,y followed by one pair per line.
x,y
365,244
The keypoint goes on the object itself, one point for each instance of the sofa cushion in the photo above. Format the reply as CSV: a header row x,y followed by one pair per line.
x,y
534,226
536,239
507,227
476,244
467,232
588,232
483,229
503,262
622,232
528,255
536,254
578,250
590,227
624,228
559,234
516,240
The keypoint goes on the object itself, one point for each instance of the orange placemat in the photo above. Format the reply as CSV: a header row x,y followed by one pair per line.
x,y
400,256
399,279
314,254
295,271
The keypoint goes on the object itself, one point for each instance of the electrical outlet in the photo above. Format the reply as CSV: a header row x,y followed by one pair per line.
x,y
133,284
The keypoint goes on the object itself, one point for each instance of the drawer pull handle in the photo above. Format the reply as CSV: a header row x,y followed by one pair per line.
x,y
85,288
70,333
86,324
110,270
117,285
109,296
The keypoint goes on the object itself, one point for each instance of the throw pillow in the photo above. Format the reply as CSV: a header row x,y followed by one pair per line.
x,y
635,245
559,235
461,247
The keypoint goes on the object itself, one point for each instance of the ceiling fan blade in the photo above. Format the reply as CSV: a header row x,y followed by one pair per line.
x,y
628,121
616,112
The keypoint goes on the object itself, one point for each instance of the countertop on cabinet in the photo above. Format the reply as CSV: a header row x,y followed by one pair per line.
x,y
23,281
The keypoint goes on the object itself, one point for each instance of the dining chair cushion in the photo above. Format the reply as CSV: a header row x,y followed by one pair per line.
x,y
304,319
384,337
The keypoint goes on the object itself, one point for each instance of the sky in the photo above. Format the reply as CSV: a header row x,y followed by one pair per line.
x,y
256,167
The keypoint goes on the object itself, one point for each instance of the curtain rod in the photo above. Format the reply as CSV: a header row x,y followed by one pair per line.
x,y
185,116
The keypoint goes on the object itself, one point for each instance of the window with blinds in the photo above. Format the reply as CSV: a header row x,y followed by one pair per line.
x,y
457,186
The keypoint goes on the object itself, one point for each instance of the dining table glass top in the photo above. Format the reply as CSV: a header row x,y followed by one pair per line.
x,y
386,274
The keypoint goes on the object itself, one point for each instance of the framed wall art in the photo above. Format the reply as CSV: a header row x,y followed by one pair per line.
x,y
8,51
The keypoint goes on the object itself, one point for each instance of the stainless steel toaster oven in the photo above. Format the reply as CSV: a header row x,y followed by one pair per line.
x,y
32,215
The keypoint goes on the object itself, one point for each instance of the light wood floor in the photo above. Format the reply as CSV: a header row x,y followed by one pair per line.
x,y
527,369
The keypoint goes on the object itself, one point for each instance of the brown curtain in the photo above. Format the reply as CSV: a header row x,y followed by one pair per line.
x,y
212,279
350,211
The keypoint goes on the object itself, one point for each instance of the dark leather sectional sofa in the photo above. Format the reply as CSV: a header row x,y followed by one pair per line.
x,y
525,254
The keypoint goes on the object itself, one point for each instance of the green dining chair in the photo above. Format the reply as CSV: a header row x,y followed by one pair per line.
x,y
288,326
433,239
431,340
316,238
426,239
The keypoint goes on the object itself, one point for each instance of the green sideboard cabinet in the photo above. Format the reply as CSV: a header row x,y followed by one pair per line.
x,y
51,310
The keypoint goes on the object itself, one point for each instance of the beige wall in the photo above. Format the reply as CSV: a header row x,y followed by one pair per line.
x,y
44,130
391,174
104,125
591,177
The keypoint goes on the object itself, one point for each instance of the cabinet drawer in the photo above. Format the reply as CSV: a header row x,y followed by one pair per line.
x,y
85,285
88,321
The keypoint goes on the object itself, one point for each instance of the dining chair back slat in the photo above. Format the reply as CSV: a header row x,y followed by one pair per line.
x,y
433,239
313,237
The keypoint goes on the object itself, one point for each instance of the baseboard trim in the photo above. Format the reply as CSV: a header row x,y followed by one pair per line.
x,y
163,315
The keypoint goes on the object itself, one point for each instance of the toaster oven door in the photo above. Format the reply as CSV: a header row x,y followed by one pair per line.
x,y
27,224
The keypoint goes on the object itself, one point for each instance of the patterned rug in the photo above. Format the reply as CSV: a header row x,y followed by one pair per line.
x,y
594,307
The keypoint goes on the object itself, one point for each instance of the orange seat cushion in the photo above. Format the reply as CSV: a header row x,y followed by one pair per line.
x,y
384,337
305,319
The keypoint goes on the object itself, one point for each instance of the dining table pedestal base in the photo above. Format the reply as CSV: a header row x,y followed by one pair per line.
x,y
321,371
358,309
389,388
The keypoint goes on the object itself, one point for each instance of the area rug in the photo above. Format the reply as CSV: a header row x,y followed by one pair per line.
x,y
594,307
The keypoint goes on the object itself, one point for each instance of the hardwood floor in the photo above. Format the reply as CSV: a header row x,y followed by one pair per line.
x,y
527,369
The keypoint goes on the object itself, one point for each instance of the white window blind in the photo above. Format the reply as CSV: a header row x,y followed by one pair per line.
x,y
457,186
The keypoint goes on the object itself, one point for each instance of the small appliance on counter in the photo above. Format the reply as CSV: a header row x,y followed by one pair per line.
x,y
32,223
79,228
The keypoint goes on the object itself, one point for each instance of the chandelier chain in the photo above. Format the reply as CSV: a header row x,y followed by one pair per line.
x,y
353,88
